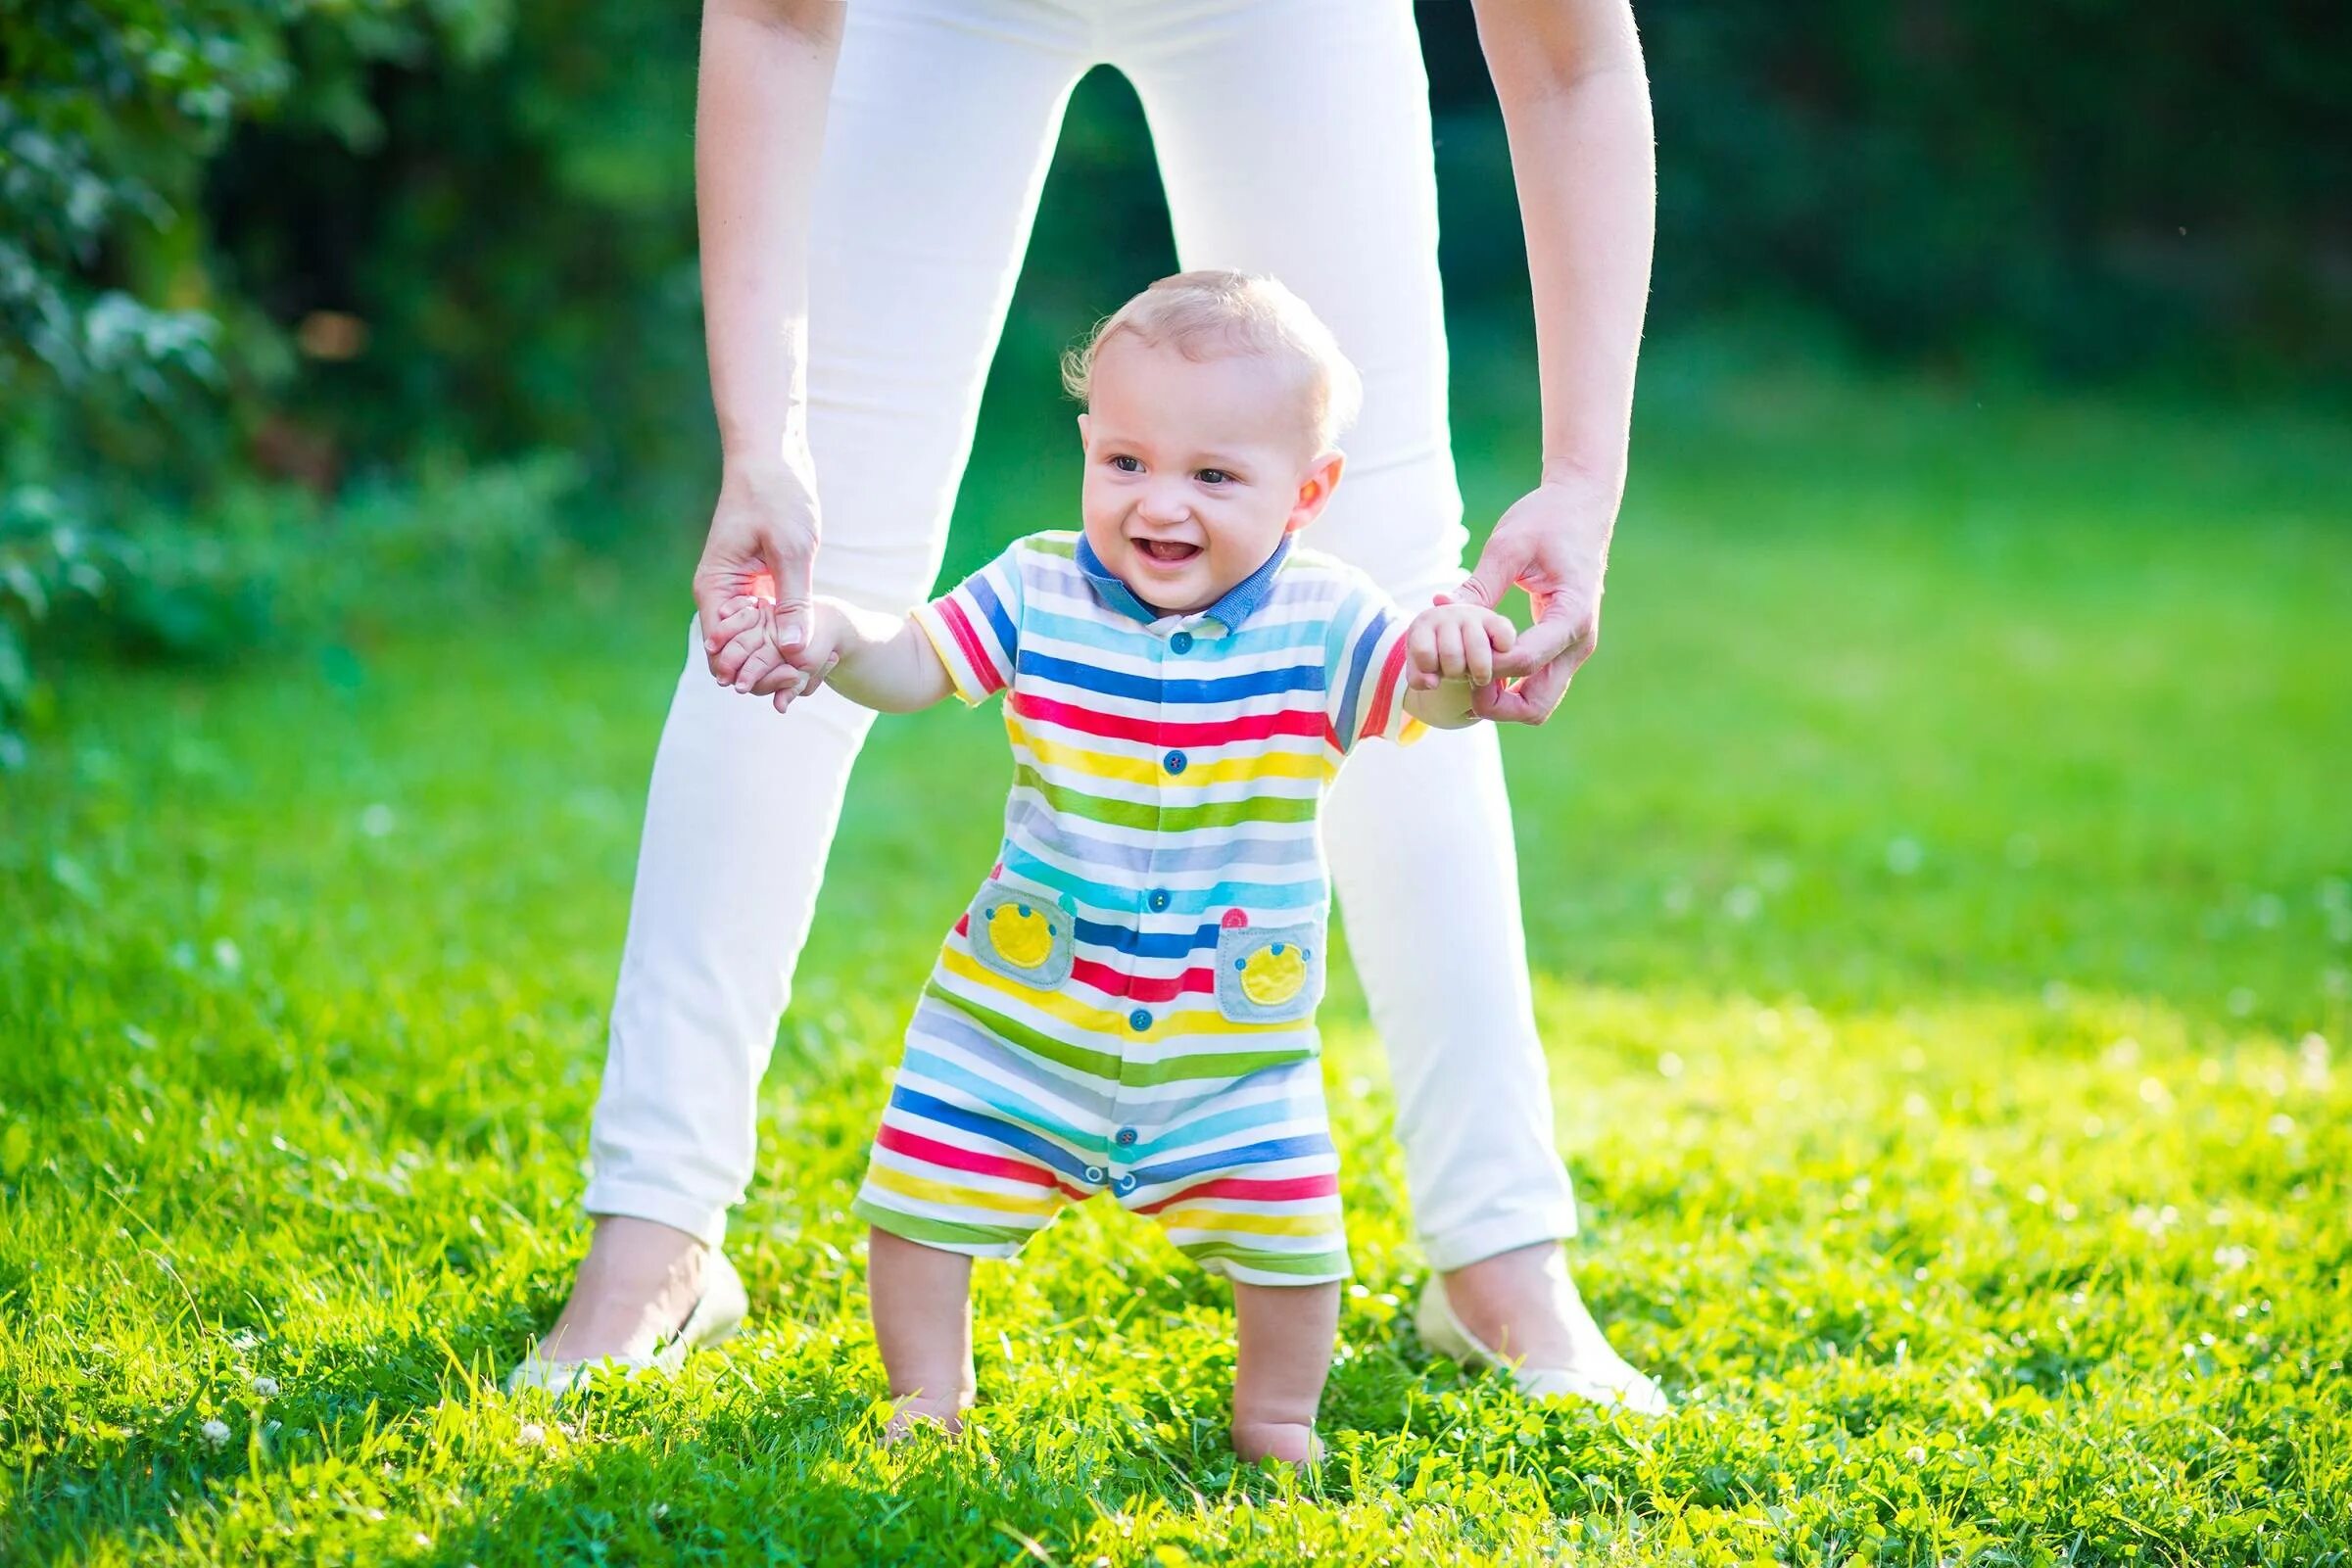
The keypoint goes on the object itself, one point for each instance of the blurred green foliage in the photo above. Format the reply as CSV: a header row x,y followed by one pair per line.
x,y
308,242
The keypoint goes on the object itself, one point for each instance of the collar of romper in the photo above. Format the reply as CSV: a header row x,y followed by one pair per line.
x,y
1239,602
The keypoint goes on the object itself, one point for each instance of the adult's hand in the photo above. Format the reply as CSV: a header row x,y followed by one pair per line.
x,y
763,542
1553,543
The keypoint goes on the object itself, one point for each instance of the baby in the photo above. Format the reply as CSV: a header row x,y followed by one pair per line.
x,y
1127,1003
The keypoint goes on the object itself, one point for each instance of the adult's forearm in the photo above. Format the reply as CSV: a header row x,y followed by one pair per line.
x,y
765,74
1576,109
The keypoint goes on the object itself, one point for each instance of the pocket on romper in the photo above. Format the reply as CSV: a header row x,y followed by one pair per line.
x,y
1022,934
1268,974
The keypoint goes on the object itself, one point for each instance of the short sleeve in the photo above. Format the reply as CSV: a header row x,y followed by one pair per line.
x,y
976,626
1364,671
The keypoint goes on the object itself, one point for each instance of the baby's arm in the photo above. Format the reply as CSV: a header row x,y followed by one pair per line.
x,y
876,661
1453,647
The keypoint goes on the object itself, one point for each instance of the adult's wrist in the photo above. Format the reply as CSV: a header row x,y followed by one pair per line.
x,y
1600,480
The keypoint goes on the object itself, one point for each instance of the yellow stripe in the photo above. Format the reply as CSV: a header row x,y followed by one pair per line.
x,y
1219,1219
1244,768
1111,1029
960,673
891,1179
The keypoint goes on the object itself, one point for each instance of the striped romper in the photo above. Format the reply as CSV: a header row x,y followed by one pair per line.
x,y
1128,1003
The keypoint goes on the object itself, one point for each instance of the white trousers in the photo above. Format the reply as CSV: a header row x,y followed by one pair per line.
x,y
1293,138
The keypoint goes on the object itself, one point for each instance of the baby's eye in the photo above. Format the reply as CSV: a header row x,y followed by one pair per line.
x,y
1214,476
1126,463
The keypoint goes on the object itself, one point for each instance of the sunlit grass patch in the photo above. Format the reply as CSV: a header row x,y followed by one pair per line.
x,y
1942,944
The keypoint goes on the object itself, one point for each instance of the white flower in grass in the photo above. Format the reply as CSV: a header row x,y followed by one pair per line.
x,y
266,1386
1915,1453
215,1432
531,1434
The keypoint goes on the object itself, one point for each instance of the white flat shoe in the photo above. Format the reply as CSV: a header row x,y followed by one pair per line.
x,y
1600,1375
713,1319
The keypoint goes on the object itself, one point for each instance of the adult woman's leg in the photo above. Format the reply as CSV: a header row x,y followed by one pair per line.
x,y
1294,138
942,126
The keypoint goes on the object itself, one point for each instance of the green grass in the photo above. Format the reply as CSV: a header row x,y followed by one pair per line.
x,y
1941,893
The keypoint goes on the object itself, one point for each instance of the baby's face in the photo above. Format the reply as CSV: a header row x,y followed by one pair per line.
x,y
1196,469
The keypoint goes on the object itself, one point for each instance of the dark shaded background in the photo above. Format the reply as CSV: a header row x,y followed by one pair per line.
x,y
2080,188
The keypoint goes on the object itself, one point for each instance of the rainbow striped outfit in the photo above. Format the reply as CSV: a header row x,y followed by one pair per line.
x,y
1128,1005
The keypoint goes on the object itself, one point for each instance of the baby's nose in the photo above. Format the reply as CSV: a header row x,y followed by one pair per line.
x,y
1165,507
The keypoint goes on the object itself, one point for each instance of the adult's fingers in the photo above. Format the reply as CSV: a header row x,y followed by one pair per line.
x,y
1502,563
1527,701
1558,626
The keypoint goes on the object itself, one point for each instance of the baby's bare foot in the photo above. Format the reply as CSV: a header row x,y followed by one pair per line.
x,y
944,1416
1289,1442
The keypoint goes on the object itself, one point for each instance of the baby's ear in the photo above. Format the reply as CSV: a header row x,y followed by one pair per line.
x,y
1314,488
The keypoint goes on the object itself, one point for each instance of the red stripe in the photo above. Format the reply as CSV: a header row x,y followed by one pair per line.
x,y
963,923
1142,987
1118,726
932,1152
1384,693
1262,1190
968,640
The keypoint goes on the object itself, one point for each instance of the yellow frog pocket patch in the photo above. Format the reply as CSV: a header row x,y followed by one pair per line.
x,y
1022,933
1268,974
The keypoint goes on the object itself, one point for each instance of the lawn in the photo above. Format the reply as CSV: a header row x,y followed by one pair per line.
x,y
1942,895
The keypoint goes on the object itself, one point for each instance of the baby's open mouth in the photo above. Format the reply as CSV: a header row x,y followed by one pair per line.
x,y
1167,550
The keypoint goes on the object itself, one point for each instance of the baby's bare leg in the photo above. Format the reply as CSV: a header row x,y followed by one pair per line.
x,y
922,1304
1286,1334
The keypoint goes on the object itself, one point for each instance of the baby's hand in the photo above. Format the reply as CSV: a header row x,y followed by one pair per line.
x,y
755,623
1450,641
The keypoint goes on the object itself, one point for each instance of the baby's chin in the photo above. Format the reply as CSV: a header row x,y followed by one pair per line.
x,y
1175,593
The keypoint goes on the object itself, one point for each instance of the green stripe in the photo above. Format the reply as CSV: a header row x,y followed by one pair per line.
x,y
1064,544
1167,818
1100,1065
938,1232
1223,1064
1269,1262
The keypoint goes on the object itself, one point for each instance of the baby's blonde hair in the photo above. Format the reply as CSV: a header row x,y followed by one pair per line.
x,y
1205,314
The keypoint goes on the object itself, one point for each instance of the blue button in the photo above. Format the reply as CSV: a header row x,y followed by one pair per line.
x,y
1094,1172
1127,1135
1173,762
1125,1184
1182,641
1139,1020
1158,899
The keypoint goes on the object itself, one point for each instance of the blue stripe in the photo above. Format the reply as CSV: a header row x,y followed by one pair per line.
x,y
1146,944
1149,689
1283,844
941,1023
932,1066
1305,895
1044,1150
1258,643
1363,657
1236,1160
984,594
1188,1133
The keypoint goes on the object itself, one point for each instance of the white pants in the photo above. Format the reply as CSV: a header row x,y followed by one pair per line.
x,y
1293,138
